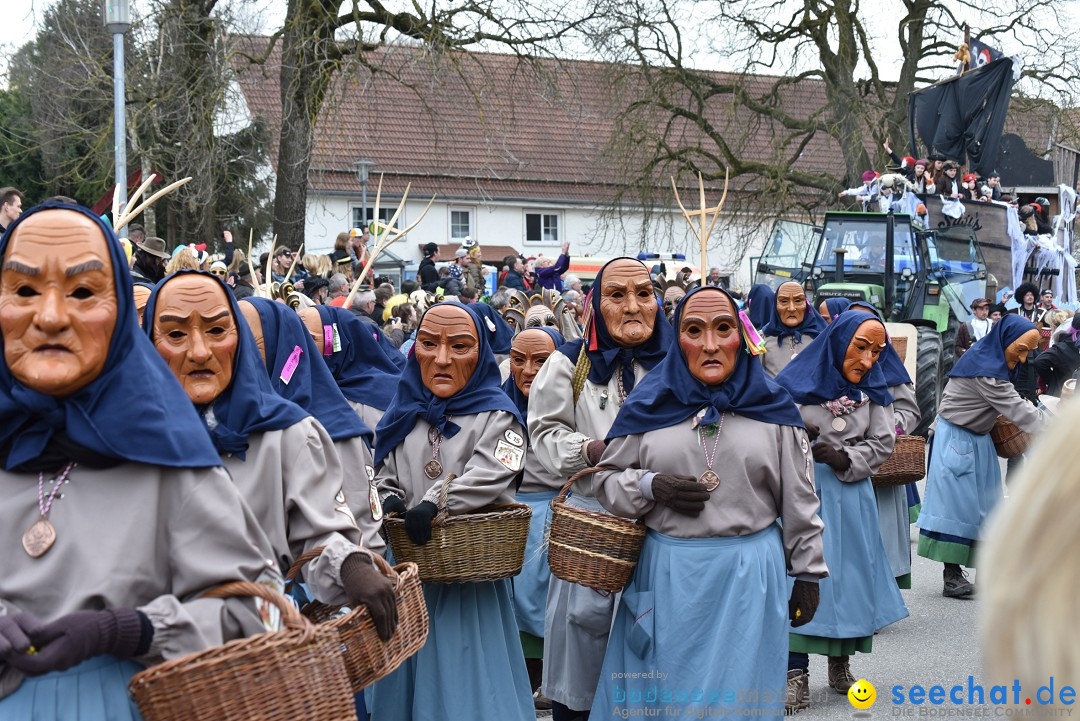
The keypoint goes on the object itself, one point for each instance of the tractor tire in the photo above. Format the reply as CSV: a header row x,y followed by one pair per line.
x,y
929,377
948,346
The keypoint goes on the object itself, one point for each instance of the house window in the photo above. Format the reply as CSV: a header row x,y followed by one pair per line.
x,y
461,224
541,227
384,215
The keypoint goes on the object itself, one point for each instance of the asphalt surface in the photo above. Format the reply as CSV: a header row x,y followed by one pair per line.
x,y
937,644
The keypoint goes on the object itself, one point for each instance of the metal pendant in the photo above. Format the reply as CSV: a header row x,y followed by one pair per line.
x,y
839,424
710,480
432,469
39,538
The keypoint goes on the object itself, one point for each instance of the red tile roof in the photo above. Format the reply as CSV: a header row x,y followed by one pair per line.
x,y
484,126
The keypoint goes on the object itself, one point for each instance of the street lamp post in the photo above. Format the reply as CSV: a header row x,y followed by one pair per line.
x,y
116,15
362,167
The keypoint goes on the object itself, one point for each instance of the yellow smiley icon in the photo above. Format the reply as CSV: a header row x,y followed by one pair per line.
x,y
862,694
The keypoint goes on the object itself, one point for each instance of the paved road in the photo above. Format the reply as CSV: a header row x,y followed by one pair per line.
x,y
936,644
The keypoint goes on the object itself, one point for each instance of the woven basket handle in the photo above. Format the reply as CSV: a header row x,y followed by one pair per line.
x,y
381,563
290,615
443,513
578,476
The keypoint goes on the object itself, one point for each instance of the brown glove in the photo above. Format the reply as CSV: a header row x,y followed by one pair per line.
x,y
832,457
365,585
593,452
803,603
680,494
812,432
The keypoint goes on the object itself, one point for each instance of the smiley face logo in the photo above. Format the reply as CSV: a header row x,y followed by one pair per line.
x,y
862,694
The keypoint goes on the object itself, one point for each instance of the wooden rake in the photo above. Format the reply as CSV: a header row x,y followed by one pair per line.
x,y
386,234
701,230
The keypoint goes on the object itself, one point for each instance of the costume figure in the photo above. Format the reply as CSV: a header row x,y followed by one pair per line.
x,y
280,458
298,374
537,488
449,416
760,303
710,452
793,318
574,401
844,401
131,518
963,481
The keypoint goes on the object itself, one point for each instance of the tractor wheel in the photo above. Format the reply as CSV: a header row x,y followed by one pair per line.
x,y
948,346
928,378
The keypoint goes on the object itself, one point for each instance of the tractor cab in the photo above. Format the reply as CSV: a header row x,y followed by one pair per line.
x,y
787,254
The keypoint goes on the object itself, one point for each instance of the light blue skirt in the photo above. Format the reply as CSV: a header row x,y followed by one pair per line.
x,y
963,482
860,595
95,690
892,504
531,585
703,624
471,666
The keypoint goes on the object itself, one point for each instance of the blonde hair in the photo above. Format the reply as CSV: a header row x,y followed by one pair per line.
x,y
1029,569
311,264
238,261
184,259
324,266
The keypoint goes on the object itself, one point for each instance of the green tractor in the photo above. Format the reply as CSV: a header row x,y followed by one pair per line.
x,y
922,281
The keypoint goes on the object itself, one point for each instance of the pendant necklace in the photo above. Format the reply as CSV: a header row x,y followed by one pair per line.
x,y
41,536
619,387
709,479
433,469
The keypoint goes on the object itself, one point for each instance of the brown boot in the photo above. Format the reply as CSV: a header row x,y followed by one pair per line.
x,y
840,677
798,691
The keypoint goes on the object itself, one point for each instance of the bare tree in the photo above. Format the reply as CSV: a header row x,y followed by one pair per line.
x,y
807,105
318,37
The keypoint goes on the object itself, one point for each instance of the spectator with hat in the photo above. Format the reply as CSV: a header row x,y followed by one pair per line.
x,y
975,328
949,185
866,193
149,260
905,165
969,187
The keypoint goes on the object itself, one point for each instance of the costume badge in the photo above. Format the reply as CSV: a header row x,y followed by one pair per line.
x,y
290,365
370,473
804,444
373,501
509,456
514,439
342,507
269,613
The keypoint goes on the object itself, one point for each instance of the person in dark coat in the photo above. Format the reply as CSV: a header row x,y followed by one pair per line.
x,y
427,273
1058,363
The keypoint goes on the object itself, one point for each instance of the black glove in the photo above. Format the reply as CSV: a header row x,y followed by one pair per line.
x,y
394,504
364,584
803,603
812,432
682,495
594,450
76,637
418,522
833,457
15,633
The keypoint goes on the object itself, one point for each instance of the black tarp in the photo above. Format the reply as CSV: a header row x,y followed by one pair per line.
x,y
963,118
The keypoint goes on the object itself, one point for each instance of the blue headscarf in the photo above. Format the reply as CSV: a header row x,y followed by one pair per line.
x,y
836,306
413,400
816,375
135,410
249,404
670,393
812,323
364,371
502,334
310,384
759,305
510,387
889,360
605,354
986,358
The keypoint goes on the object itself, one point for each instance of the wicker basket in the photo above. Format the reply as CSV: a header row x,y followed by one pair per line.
x,y
285,675
589,548
367,657
907,463
1009,440
469,548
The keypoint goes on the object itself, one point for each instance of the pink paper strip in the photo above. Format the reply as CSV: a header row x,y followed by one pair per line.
x,y
328,340
290,365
